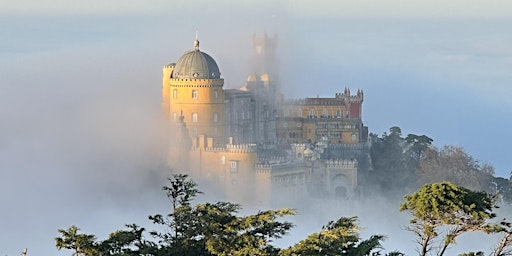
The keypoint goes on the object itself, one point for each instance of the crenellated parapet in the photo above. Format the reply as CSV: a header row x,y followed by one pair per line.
x,y
233,148
358,97
215,149
341,163
315,101
242,148
273,159
263,168
350,146
183,82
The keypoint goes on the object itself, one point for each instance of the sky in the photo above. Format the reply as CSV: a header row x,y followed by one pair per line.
x,y
81,133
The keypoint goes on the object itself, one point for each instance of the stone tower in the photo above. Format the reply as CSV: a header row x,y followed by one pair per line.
x,y
264,55
192,94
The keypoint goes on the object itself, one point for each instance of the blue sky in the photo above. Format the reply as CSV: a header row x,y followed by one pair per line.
x,y
80,89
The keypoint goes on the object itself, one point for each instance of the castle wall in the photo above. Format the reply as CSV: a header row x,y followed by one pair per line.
x,y
204,115
201,104
166,89
230,167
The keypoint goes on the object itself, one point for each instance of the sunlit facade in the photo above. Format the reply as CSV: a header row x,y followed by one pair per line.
x,y
251,142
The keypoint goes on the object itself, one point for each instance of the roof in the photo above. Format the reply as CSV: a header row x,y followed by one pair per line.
x,y
196,64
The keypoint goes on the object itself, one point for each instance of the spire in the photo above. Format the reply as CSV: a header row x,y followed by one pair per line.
x,y
196,42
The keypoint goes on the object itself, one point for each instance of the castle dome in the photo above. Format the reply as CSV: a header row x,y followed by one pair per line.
x,y
196,64
253,78
266,77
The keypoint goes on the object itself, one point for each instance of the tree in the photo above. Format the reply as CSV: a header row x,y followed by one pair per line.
x,y
250,235
418,145
126,243
180,233
71,239
504,248
337,238
216,229
444,210
391,172
454,164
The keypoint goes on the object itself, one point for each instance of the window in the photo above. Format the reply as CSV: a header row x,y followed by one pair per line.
x,y
339,113
234,166
174,93
223,159
215,94
194,94
299,113
354,137
325,113
174,116
312,113
194,117
215,117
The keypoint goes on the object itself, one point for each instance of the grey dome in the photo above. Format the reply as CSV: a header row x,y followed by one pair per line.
x,y
196,65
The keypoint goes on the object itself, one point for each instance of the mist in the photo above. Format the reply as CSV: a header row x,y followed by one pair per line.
x,y
83,140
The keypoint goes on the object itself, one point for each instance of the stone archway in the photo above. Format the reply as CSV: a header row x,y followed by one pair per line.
x,y
340,186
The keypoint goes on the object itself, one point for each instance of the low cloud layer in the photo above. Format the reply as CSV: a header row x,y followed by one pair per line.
x,y
82,136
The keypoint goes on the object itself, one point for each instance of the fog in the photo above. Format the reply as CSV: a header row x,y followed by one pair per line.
x,y
82,136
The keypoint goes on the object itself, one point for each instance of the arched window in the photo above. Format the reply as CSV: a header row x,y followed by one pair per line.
x,y
194,94
175,93
312,113
299,112
215,117
325,113
215,94
194,117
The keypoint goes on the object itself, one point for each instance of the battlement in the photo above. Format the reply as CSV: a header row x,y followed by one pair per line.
x,y
315,101
354,146
241,148
215,149
233,148
263,168
358,97
272,159
341,163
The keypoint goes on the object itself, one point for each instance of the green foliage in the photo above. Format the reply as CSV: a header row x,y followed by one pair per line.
x,y
454,164
203,229
336,238
181,191
417,145
504,247
71,239
444,205
472,254
395,160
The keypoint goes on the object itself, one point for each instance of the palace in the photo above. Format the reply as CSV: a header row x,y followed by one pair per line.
x,y
253,143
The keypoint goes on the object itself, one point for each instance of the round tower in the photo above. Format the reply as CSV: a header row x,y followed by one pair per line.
x,y
196,97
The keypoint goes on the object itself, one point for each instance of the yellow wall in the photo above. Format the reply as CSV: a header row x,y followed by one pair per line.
x,y
238,183
209,101
166,76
